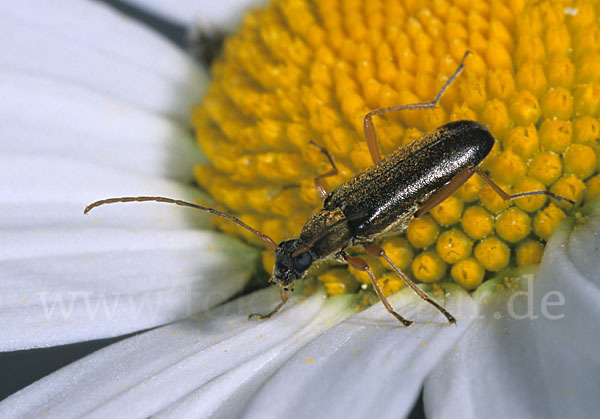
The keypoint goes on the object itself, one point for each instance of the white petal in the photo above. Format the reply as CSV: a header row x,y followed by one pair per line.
x,y
189,12
38,191
368,366
225,395
490,371
89,103
215,364
66,286
56,118
64,147
149,372
90,45
516,361
569,345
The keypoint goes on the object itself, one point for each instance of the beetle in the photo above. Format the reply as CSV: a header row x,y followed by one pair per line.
x,y
385,197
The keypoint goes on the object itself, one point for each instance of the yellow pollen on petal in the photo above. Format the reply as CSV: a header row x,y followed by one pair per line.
x,y
304,71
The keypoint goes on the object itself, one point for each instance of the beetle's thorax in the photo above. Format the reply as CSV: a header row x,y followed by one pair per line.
x,y
327,231
324,233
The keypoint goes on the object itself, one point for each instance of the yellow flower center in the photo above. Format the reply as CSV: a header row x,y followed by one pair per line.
x,y
300,71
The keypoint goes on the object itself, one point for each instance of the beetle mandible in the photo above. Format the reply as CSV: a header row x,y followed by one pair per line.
x,y
386,196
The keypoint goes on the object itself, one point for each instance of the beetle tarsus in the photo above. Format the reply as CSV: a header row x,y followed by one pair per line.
x,y
361,265
284,299
405,322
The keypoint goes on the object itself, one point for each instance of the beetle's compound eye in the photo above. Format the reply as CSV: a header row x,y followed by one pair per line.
x,y
302,261
289,268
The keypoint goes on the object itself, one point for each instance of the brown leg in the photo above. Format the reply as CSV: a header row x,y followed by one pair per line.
x,y
462,177
361,265
284,299
376,250
506,196
319,184
439,197
369,129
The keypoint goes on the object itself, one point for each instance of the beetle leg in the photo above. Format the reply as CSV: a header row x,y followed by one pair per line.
x,y
439,197
284,299
322,189
361,265
369,129
505,196
376,250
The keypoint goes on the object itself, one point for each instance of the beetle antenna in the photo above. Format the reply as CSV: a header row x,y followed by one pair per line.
x,y
266,239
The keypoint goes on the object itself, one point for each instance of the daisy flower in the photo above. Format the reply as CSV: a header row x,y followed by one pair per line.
x,y
84,116
96,105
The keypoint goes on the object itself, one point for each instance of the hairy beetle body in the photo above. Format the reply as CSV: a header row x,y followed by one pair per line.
x,y
386,196
388,193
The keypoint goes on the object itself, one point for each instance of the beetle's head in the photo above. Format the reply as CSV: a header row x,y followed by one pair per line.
x,y
292,259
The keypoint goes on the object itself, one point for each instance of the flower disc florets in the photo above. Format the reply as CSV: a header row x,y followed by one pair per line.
x,y
300,71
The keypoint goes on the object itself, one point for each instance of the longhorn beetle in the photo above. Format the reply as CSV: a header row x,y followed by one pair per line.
x,y
396,189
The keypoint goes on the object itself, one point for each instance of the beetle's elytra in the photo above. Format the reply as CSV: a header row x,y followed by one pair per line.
x,y
391,189
384,197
